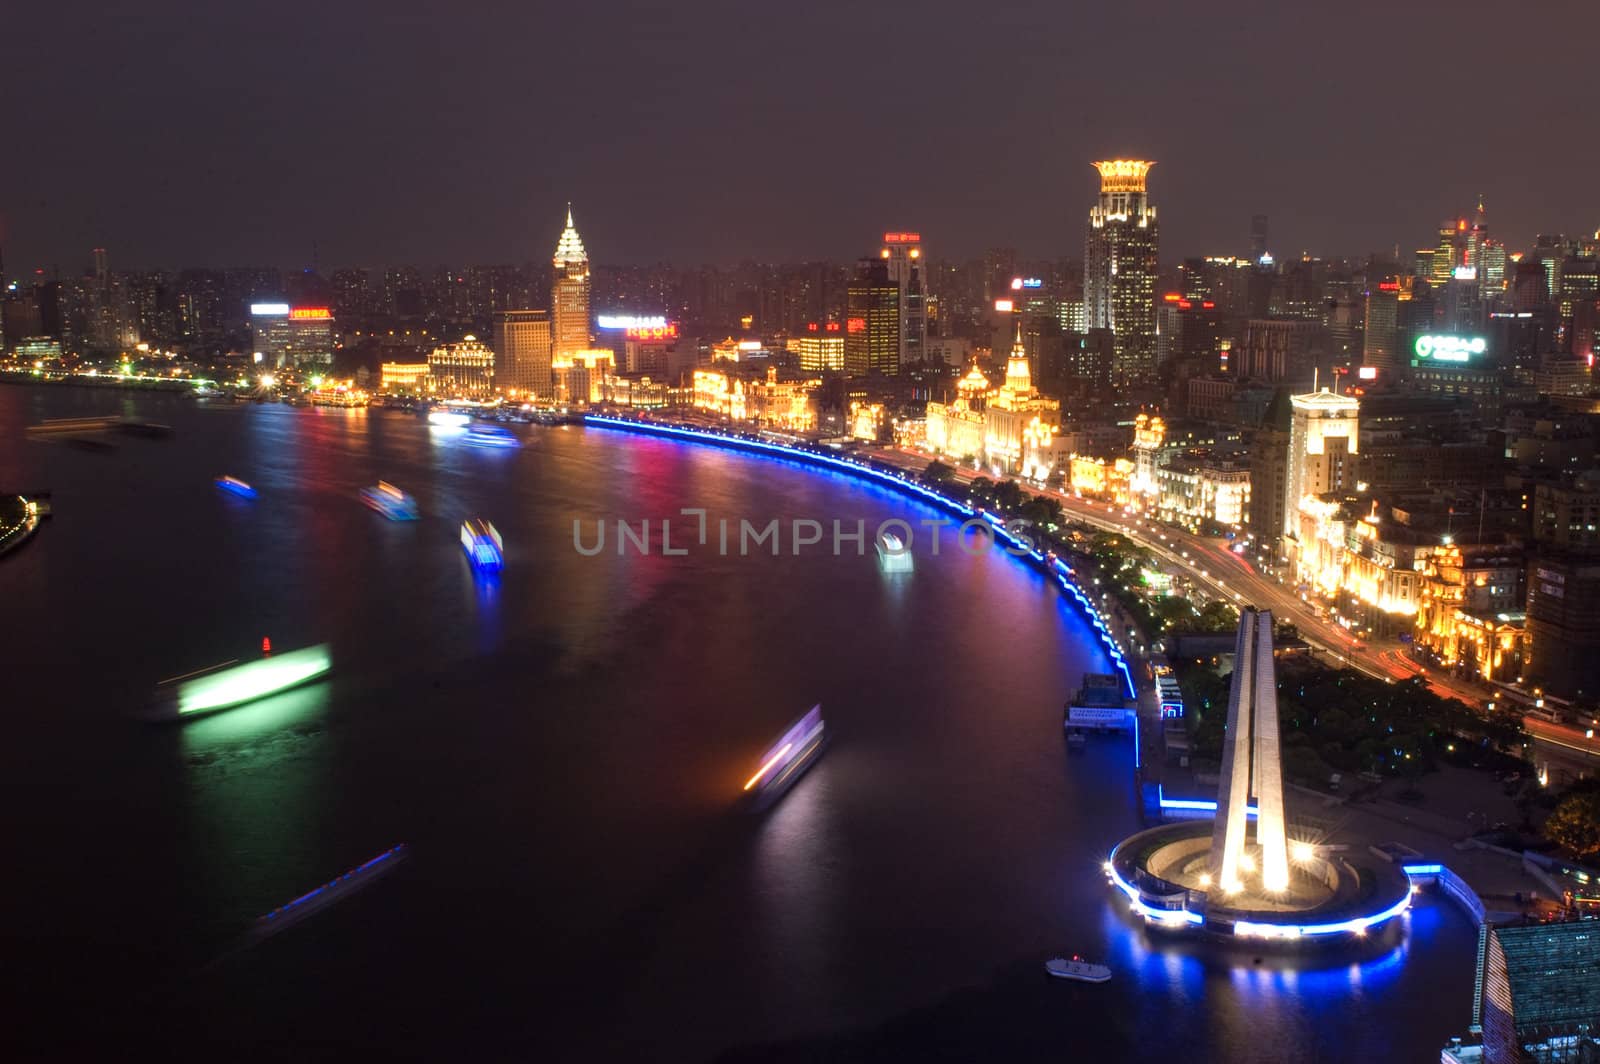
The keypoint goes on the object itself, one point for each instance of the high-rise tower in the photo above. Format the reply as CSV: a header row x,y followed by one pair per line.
x,y
1251,764
1324,430
1120,267
569,297
902,253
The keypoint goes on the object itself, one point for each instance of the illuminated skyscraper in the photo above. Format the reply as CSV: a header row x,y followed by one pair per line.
x,y
522,353
1323,431
1120,267
569,298
1380,338
902,252
872,322
1251,765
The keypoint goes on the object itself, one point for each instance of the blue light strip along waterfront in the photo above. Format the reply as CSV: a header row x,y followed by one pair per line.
x,y
906,486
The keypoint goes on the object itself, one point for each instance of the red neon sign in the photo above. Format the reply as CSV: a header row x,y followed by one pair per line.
x,y
902,238
811,327
1208,305
856,325
833,326
310,313
1184,304
1388,286
668,331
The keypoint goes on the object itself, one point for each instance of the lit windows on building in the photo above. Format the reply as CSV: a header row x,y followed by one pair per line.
x,y
1121,267
463,370
757,397
404,378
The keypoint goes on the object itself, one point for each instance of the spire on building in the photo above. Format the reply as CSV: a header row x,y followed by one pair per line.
x,y
570,247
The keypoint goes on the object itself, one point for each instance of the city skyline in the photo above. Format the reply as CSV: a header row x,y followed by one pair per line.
x,y
720,163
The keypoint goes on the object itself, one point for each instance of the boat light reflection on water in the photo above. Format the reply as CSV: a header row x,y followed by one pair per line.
x,y
784,762
254,680
390,501
483,545
491,436
235,486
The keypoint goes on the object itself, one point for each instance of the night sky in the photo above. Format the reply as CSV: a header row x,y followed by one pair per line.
x,y
231,133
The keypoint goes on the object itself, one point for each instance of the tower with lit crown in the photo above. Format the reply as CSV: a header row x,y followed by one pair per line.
x,y
1120,267
569,297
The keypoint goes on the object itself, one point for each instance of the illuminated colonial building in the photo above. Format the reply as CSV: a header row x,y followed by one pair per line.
x,y
1470,615
1148,435
1021,425
1120,267
1323,435
763,399
1204,489
569,298
956,429
1095,478
404,378
1012,428
462,371
1371,565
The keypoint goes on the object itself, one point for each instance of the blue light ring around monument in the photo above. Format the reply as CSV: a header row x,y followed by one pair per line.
x,y
1146,893
896,482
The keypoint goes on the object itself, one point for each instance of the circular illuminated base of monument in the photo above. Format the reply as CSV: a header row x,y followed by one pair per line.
x,y
1164,872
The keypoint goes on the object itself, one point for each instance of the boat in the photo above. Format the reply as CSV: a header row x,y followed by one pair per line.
x,y
1077,969
483,545
232,684
291,913
893,554
390,501
490,436
796,750
235,486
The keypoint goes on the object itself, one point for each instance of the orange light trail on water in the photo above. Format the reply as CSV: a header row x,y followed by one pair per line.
x,y
768,766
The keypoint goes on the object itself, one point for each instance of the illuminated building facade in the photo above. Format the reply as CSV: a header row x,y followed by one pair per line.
x,y
1021,425
582,377
1149,433
1204,489
1251,764
462,371
1011,429
1323,443
1380,341
760,398
291,337
1470,615
820,348
957,429
903,254
569,298
1120,267
524,353
404,378
872,322
1095,478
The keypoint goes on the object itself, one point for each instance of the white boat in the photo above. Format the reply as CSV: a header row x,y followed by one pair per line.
x,y
1077,968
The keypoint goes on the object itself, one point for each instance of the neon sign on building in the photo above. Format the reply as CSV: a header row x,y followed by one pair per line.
x,y
669,331
1450,348
632,321
310,314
